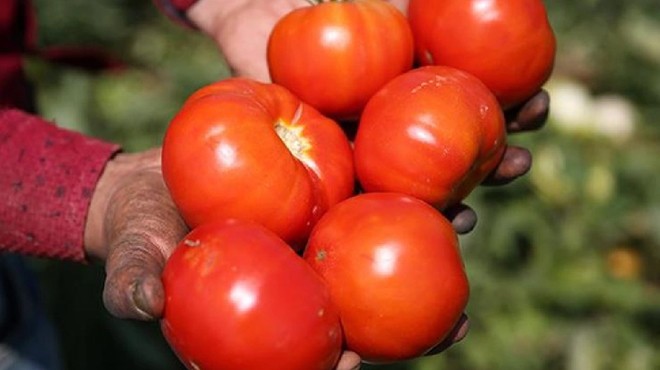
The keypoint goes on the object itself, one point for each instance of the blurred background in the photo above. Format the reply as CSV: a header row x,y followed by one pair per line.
x,y
564,263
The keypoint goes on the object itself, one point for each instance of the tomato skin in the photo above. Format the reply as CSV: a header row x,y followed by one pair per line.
x,y
335,55
508,44
393,267
441,138
224,157
238,297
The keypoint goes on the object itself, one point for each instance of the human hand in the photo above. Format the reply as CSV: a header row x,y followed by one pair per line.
x,y
133,226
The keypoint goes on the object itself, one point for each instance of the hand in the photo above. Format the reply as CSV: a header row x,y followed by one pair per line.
x,y
133,226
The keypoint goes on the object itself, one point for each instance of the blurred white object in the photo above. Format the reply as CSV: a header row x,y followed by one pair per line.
x,y
614,117
575,111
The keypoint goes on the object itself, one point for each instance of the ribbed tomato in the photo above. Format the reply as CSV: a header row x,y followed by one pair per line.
x,y
243,149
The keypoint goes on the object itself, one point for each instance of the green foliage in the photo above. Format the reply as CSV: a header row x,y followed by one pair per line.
x,y
563,263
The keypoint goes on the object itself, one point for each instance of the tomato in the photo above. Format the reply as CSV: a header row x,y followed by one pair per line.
x,y
508,44
336,54
443,136
238,297
393,267
243,149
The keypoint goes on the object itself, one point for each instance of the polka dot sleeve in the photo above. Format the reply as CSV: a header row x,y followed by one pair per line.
x,y
47,177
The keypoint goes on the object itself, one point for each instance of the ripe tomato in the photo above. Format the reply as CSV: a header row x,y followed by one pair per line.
x,y
508,44
242,149
438,142
336,54
393,267
238,297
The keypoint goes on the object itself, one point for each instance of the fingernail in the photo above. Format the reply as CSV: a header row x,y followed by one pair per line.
x,y
464,327
140,301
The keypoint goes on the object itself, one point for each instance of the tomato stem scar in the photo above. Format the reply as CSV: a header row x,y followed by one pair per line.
x,y
292,138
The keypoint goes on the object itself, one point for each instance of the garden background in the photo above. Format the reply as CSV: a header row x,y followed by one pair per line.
x,y
563,264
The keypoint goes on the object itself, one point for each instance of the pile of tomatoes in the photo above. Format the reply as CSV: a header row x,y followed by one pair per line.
x,y
306,241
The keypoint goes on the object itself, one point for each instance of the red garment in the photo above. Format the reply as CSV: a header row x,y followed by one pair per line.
x,y
47,177
47,174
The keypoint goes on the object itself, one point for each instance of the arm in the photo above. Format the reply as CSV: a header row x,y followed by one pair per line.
x,y
71,197
47,178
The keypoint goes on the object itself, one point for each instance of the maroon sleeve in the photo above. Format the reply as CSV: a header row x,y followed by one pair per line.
x,y
47,177
176,10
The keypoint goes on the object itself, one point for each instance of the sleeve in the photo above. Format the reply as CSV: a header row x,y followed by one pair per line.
x,y
176,10
47,177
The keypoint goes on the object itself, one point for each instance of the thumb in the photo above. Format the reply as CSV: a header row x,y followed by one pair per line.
x,y
133,288
142,227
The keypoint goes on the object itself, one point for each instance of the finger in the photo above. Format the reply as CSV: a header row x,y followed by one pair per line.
x,y
142,228
462,217
516,162
349,361
133,288
457,334
531,115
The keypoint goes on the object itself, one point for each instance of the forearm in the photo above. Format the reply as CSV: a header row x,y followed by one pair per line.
x,y
47,178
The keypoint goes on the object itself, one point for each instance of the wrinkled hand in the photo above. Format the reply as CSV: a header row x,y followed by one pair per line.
x,y
133,226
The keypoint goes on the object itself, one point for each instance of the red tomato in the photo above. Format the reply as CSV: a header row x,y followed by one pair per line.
x,y
243,149
508,44
394,270
440,139
238,297
336,54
